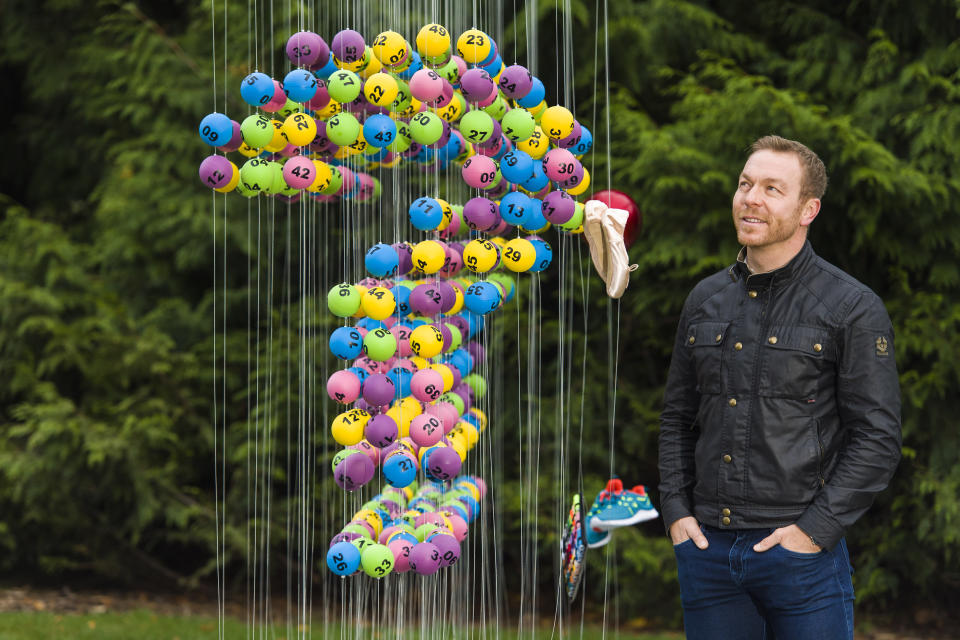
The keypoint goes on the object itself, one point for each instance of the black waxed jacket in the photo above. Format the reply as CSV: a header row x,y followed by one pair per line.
x,y
782,403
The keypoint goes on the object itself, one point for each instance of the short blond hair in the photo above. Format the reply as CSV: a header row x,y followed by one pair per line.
x,y
814,181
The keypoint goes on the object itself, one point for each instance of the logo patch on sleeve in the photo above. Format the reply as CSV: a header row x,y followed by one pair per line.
x,y
882,347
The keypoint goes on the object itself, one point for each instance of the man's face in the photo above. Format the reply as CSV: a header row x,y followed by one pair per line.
x,y
767,210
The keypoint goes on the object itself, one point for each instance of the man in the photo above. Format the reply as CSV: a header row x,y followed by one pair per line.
x,y
781,419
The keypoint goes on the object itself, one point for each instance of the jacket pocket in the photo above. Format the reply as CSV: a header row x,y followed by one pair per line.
x,y
785,462
705,341
797,362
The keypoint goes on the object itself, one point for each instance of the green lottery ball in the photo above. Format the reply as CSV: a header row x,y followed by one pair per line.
x,y
256,131
477,384
497,109
340,455
518,125
256,174
344,128
288,109
336,181
244,191
402,140
379,345
456,338
454,399
344,300
576,220
376,560
358,529
343,86
424,530
277,183
476,126
425,127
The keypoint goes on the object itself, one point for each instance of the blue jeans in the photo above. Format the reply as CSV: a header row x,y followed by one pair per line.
x,y
731,592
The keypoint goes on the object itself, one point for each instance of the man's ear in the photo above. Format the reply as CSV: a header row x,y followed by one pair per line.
x,y
810,210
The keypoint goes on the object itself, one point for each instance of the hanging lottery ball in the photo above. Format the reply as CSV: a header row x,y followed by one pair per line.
x,y
557,122
426,85
343,386
216,129
298,172
257,89
256,174
343,558
343,300
353,472
378,390
347,427
560,164
433,40
426,127
299,129
216,171
535,96
379,345
448,547
481,214
426,385
515,208
426,299
571,140
476,126
479,172
426,341
379,130
585,143
482,297
441,464
256,130
558,207
381,260
348,46
378,303
346,343
426,430
343,129
537,179
381,89
515,81
426,214
476,85
519,255
424,558
344,86
544,254
429,256
300,85
518,125
479,256
474,46
305,48
400,469
516,166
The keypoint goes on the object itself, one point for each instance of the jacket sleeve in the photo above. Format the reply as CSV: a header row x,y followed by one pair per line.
x,y
678,434
868,401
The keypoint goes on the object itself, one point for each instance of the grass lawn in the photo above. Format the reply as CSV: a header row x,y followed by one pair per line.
x,y
146,625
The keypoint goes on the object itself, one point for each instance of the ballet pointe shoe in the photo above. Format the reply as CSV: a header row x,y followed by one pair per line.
x,y
618,267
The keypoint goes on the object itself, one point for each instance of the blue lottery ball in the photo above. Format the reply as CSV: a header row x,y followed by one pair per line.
x,y
504,149
257,89
535,218
417,322
425,214
399,470
472,506
325,72
416,63
363,374
401,382
544,255
585,144
216,129
379,130
381,260
537,93
493,63
343,558
472,419
462,361
475,323
457,509
537,179
346,343
300,85
402,297
516,166
515,208
406,535
371,325
482,297
452,149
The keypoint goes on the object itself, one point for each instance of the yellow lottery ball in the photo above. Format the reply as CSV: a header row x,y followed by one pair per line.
x,y
390,48
433,40
428,256
519,255
372,67
557,122
474,46
333,108
445,373
426,341
248,151
480,256
536,145
378,303
481,416
421,363
278,142
470,433
323,174
458,300
381,89
447,214
459,444
347,428
580,188
299,129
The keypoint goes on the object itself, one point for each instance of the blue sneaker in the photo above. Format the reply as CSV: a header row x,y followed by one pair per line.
x,y
605,499
629,507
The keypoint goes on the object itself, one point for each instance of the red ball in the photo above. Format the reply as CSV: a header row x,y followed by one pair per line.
x,y
620,200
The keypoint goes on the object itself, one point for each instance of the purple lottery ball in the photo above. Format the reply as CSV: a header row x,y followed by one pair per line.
x,y
573,139
306,48
460,323
354,471
425,558
495,141
447,336
559,207
405,253
216,172
476,85
481,214
348,45
378,390
448,548
235,141
516,81
466,394
381,430
426,299
442,464
476,350
448,297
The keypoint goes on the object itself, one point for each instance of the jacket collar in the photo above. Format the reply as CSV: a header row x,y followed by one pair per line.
x,y
777,277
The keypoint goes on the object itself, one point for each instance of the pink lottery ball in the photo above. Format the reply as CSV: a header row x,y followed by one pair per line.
x,y
459,525
452,229
481,486
406,365
447,413
453,264
384,537
445,97
559,164
402,334
372,453
400,549
430,517
479,171
426,385
426,85
426,430
425,558
366,525
278,101
321,98
343,386
298,172
216,172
